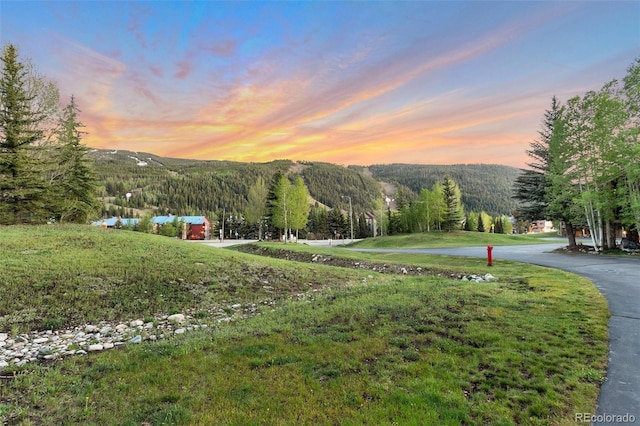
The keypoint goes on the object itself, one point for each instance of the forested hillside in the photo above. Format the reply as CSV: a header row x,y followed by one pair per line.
x,y
485,187
331,185
207,187
179,186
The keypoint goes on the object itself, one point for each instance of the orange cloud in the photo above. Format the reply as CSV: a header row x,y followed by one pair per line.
x,y
331,110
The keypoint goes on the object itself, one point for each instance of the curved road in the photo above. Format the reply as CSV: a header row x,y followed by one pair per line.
x,y
618,279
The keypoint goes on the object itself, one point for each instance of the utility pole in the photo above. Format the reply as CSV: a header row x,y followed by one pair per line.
x,y
224,213
351,217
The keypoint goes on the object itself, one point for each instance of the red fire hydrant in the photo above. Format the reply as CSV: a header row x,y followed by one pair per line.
x,y
489,257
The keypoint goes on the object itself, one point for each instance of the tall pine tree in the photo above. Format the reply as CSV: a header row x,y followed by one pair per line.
x,y
22,187
453,214
530,187
74,192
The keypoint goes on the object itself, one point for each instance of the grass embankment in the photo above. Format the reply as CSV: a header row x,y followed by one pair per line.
x,y
452,239
528,349
64,275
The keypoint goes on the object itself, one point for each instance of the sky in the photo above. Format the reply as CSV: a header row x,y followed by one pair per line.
x,y
353,83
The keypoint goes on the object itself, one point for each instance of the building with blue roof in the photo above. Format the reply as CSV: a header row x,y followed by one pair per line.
x,y
193,227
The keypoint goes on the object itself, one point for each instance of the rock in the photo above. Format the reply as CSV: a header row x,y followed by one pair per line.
x,y
40,340
180,331
136,323
121,327
96,347
465,279
176,318
90,328
489,277
45,350
3,337
108,345
136,339
105,331
20,339
236,306
4,364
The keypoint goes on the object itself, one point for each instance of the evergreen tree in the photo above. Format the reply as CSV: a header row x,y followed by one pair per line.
x,y
531,186
74,191
22,187
272,197
394,223
318,222
480,224
453,214
363,228
336,224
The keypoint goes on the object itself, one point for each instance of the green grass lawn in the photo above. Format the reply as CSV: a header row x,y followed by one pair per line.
x,y
364,348
451,239
55,276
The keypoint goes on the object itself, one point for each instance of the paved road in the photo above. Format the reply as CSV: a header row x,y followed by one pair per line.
x,y
618,279
229,243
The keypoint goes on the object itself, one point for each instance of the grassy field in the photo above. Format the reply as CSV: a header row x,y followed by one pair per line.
x,y
452,239
364,348
59,276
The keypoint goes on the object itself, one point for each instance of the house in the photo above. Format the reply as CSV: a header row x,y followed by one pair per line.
x,y
116,222
193,227
541,226
370,218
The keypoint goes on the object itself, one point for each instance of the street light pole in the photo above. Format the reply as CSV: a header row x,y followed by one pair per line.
x,y
350,214
224,213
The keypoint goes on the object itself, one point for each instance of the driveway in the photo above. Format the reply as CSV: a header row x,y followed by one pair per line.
x,y
229,242
618,279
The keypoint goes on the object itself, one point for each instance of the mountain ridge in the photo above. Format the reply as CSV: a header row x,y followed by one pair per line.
x,y
192,186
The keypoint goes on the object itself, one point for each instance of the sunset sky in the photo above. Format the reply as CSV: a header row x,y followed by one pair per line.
x,y
344,82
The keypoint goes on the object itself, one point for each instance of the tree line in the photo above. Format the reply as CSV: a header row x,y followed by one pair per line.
x,y
45,174
584,169
439,209
485,187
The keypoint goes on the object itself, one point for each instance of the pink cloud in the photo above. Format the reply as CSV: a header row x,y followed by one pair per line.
x,y
134,26
157,71
224,48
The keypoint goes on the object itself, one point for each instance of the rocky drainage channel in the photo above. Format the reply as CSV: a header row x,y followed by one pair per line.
x,y
383,268
51,345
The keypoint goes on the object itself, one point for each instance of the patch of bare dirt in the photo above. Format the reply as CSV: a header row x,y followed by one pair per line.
x,y
383,268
